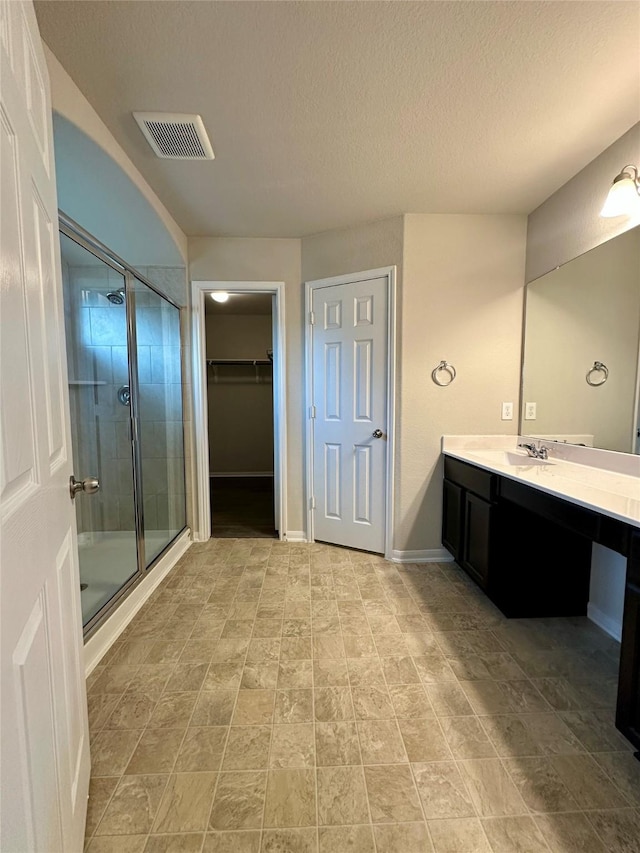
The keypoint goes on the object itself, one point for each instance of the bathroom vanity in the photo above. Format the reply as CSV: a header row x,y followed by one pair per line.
x,y
523,529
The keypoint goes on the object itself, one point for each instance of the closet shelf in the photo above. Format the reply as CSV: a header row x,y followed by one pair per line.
x,y
211,362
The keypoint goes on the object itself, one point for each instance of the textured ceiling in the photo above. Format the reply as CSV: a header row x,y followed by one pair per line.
x,y
328,114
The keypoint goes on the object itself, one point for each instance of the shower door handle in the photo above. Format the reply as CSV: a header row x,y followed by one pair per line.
x,y
89,485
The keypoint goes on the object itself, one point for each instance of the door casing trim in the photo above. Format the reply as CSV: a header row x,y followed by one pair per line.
x,y
199,290
351,278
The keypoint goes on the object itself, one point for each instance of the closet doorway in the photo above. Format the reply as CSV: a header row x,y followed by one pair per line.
x,y
239,409
239,347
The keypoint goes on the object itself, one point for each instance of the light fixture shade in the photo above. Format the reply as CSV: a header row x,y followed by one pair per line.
x,y
220,296
623,198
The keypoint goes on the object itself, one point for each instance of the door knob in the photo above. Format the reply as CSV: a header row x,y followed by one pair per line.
x,y
377,433
89,485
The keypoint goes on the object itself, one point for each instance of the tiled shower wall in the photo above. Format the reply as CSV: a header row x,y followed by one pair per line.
x,y
101,423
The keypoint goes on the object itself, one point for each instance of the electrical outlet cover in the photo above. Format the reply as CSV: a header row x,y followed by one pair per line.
x,y
507,411
530,411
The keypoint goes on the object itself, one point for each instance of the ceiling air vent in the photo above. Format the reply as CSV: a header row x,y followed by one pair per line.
x,y
175,136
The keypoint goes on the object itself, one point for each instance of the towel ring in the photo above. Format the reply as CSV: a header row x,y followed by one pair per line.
x,y
447,368
598,367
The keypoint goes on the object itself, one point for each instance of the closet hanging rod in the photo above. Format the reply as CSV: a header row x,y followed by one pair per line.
x,y
251,361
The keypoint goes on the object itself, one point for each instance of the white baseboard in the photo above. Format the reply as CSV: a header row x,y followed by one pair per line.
x,y
609,625
99,643
429,555
216,474
295,536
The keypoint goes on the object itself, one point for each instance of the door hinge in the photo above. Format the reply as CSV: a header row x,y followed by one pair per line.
x,y
312,503
312,318
312,411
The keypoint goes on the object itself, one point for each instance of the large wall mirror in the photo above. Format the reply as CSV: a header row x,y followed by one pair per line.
x,y
580,370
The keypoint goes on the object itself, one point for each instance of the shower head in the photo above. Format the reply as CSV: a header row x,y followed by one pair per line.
x,y
116,297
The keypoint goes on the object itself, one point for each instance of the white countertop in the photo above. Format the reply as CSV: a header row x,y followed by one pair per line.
x,y
603,481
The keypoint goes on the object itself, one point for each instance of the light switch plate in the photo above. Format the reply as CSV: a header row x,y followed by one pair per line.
x,y
507,411
530,411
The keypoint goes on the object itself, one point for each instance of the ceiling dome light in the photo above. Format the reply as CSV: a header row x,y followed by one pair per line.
x,y
220,296
624,195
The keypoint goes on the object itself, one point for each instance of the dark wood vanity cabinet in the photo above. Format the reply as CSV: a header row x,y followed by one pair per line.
x,y
531,553
508,538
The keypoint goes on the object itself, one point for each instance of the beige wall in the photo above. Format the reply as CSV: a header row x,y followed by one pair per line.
x,y
238,335
365,247
462,301
568,223
264,259
240,408
586,311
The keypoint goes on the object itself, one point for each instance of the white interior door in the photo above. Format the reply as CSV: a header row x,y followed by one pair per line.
x,y
349,380
45,743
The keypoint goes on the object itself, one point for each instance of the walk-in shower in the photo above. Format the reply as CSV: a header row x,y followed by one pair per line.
x,y
125,390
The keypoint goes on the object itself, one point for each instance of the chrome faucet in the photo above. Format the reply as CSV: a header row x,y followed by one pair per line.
x,y
539,452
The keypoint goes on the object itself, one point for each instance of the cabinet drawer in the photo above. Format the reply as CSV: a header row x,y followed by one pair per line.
x,y
574,518
476,480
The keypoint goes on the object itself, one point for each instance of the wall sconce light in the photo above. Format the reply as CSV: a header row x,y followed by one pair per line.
x,y
624,195
220,296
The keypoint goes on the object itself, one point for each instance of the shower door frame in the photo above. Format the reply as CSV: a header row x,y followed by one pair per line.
x,y
87,241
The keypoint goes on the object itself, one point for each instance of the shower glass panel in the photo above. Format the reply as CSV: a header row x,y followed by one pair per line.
x,y
98,368
160,418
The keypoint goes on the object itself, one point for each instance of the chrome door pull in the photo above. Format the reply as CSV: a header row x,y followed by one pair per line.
x,y
89,485
377,433
124,395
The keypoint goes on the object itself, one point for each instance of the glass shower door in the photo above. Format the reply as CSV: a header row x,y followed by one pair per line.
x,y
98,367
159,411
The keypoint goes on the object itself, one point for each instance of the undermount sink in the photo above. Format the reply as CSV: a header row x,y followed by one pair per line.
x,y
511,458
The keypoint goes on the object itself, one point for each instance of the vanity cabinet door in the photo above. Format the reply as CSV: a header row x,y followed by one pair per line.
x,y
477,538
452,519
628,710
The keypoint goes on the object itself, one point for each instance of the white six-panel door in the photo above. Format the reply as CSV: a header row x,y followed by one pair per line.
x,y
349,381
45,744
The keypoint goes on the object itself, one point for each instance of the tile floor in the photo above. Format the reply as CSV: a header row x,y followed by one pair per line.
x,y
276,698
